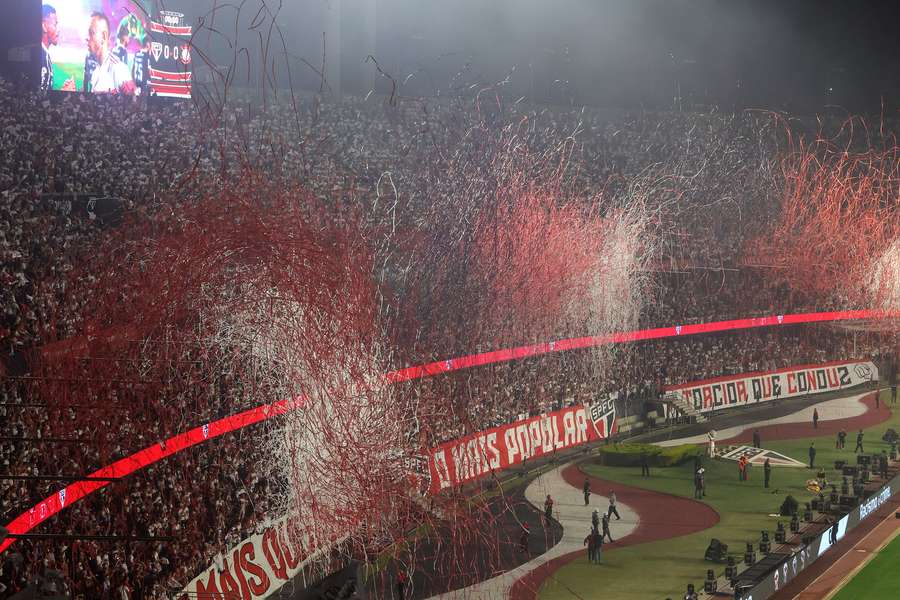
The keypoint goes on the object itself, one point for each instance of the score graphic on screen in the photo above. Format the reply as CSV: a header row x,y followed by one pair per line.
x,y
170,55
114,47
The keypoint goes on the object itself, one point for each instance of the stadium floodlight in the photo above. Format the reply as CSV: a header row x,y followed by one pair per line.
x,y
765,546
710,585
730,569
780,535
749,555
818,503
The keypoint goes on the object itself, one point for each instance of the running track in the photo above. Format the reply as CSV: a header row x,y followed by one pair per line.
x,y
794,431
684,515
70,494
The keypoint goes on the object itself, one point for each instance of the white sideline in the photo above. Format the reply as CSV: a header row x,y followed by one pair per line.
x,y
575,518
829,410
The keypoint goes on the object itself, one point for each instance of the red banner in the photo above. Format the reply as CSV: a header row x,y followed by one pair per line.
x,y
67,496
466,459
258,566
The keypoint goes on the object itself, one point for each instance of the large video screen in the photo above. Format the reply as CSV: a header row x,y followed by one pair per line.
x,y
130,47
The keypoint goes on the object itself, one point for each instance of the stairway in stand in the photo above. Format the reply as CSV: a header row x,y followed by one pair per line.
x,y
684,407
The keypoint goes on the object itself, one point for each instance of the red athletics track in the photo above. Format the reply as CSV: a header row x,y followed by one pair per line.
x,y
792,431
683,516
70,494
687,516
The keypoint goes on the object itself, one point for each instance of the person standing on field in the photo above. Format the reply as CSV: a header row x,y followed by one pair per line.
x,y
612,506
591,542
645,465
698,485
606,533
523,540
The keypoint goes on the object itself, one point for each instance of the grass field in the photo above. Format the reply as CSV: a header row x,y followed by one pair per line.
x,y
878,580
63,71
664,568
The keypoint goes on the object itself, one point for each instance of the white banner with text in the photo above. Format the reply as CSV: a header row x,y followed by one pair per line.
x,y
750,388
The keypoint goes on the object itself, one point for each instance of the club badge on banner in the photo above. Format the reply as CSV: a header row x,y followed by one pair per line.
x,y
465,459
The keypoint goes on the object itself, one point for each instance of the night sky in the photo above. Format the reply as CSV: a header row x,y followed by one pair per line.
x,y
795,55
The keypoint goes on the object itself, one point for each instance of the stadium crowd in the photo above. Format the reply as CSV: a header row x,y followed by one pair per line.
x,y
106,147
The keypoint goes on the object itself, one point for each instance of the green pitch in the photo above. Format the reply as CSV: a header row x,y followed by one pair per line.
x,y
63,71
878,580
663,569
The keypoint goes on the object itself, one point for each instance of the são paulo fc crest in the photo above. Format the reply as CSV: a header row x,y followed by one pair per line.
x,y
603,417
863,371
62,497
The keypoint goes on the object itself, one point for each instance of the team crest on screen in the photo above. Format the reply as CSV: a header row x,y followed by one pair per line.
x,y
62,497
603,417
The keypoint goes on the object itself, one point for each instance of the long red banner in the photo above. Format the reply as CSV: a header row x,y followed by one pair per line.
x,y
66,496
466,459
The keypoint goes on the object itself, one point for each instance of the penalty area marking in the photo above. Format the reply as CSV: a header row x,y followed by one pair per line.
x,y
758,456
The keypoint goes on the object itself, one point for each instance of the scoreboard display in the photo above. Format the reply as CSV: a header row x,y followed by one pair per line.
x,y
170,55
127,47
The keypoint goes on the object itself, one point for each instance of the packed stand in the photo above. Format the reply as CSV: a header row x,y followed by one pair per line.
x,y
107,147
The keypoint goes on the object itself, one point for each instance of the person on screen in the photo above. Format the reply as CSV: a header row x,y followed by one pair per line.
x,y
108,74
140,70
50,37
122,38
90,65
